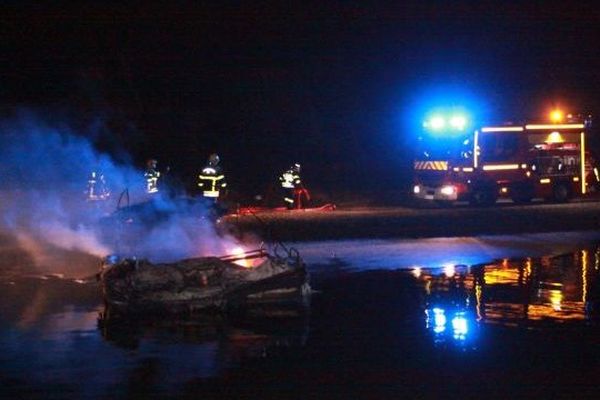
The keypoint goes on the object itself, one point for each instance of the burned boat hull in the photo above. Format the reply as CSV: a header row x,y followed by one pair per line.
x,y
203,284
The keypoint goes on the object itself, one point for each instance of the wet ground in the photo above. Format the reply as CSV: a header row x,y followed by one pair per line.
x,y
388,319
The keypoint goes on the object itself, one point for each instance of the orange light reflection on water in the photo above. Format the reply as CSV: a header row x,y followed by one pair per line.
x,y
511,292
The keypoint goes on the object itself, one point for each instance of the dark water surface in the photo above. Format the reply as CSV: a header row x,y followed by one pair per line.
x,y
520,328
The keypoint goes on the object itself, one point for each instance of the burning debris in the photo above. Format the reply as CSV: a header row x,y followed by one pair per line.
x,y
205,284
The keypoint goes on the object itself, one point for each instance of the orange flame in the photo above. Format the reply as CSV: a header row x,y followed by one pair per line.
x,y
239,251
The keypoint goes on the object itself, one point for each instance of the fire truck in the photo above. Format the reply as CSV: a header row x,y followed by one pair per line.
x,y
516,161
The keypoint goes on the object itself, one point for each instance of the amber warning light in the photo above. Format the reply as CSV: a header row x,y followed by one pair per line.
x,y
556,116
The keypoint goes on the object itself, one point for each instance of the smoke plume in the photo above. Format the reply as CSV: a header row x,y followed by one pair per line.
x,y
44,172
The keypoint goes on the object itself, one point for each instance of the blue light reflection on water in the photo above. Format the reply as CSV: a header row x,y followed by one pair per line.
x,y
450,325
460,326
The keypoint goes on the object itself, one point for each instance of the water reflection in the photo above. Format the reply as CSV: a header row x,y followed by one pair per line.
x,y
52,332
529,293
366,327
199,347
232,337
448,315
456,324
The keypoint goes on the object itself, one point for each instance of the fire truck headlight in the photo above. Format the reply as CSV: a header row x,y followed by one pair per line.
x,y
448,190
417,189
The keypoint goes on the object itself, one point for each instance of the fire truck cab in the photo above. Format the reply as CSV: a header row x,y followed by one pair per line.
x,y
520,162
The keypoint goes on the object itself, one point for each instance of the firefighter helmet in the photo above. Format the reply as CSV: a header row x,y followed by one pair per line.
x,y
151,163
213,159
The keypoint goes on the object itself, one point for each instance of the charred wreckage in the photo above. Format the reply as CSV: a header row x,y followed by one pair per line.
x,y
272,281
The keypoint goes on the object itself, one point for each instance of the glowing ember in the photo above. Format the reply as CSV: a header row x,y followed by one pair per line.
x,y
239,251
243,257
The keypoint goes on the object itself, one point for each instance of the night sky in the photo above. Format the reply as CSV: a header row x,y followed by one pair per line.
x,y
337,87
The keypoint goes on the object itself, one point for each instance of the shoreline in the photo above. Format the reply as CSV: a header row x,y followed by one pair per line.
x,y
403,222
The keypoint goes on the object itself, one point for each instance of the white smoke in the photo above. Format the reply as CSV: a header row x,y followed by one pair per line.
x,y
43,177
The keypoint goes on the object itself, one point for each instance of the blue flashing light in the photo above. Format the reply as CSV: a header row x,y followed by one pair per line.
x,y
456,101
435,123
447,122
458,122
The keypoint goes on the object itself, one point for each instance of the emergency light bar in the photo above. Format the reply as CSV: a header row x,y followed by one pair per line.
x,y
439,123
435,123
458,122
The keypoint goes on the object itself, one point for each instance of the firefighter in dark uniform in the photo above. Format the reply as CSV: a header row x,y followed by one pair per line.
x,y
212,180
97,190
296,195
152,175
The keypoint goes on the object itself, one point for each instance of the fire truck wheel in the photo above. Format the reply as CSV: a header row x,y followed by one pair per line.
x,y
561,193
483,197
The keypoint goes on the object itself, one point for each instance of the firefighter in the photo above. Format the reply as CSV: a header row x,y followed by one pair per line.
x,y
212,180
296,195
152,175
96,187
